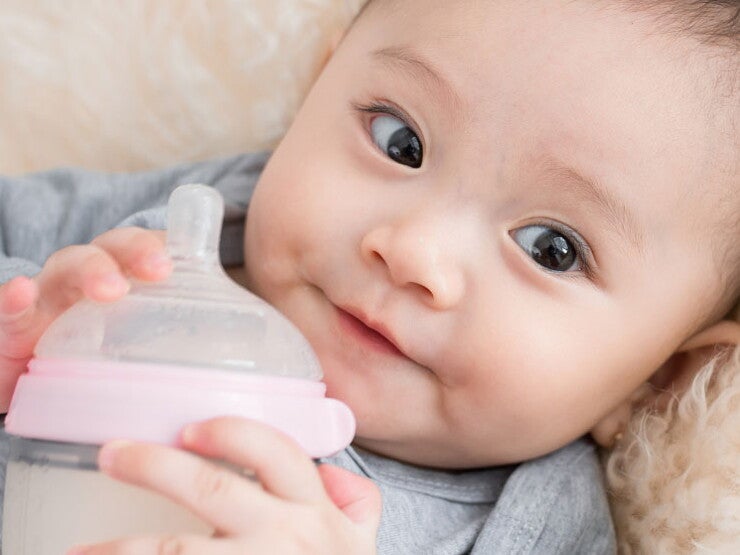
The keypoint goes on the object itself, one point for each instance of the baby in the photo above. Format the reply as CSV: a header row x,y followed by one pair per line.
x,y
495,222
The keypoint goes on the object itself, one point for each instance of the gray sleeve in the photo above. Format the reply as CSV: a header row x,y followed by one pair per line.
x,y
43,212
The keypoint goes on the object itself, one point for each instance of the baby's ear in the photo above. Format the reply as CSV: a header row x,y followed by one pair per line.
x,y
671,379
676,375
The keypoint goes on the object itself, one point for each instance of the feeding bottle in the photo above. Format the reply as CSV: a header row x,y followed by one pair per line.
x,y
192,347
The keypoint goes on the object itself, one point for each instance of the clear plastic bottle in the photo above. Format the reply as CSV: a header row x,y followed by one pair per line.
x,y
192,347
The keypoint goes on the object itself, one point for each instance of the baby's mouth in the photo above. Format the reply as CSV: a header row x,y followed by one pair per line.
x,y
372,336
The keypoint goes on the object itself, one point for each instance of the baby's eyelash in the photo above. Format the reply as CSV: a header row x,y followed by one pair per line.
x,y
379,107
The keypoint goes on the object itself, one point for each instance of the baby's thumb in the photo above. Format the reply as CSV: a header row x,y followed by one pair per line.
x,y
19,331
356,496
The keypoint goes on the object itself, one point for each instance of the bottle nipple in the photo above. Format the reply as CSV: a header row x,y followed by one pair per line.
x,y
194,216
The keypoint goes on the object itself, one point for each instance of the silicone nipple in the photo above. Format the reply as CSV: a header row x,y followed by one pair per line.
x,y
194,216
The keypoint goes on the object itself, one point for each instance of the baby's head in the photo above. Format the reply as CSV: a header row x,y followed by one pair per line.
x,y
494,221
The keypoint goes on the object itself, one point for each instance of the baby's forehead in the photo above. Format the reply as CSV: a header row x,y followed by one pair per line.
x,y
595,85
640,89
712,26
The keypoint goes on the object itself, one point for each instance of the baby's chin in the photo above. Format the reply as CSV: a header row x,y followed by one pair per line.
x,y
422,453
452,453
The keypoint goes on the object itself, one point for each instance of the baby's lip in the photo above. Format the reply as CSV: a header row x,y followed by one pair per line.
x,y
376,326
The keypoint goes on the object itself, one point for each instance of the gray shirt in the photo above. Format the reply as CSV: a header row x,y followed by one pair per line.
x,y
550,505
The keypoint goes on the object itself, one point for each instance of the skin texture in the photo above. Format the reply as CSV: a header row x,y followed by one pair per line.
x,y
483,356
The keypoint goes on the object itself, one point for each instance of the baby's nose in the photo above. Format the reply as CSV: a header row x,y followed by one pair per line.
x,y
420,253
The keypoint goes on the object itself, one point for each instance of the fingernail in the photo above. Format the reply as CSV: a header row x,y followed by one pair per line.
x,y
188,434
111,285
156,263
18,298
109,451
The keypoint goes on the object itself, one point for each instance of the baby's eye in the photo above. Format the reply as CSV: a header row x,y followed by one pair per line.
x,y
397,140
549,247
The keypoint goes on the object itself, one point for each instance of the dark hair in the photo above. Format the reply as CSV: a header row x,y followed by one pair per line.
x,y
713,21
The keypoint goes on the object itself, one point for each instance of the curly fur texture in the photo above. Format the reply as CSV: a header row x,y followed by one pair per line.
x,y
674,478
134,84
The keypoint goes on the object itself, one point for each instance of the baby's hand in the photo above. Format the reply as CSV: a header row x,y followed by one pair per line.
x,y
97,271
293,507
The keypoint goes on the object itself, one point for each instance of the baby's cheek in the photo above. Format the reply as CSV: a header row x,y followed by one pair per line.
x,y
534,408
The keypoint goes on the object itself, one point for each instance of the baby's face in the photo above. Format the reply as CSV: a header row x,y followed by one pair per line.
x,y
516,197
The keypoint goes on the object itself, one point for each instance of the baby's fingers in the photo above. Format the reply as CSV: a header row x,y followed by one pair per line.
x,y
79,271
356,496
17,299
97,270
180,545
20,321
20,327
140,253
280,465
230,503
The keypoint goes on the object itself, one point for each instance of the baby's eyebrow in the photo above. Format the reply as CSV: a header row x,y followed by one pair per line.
x,y
406,59
616,212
